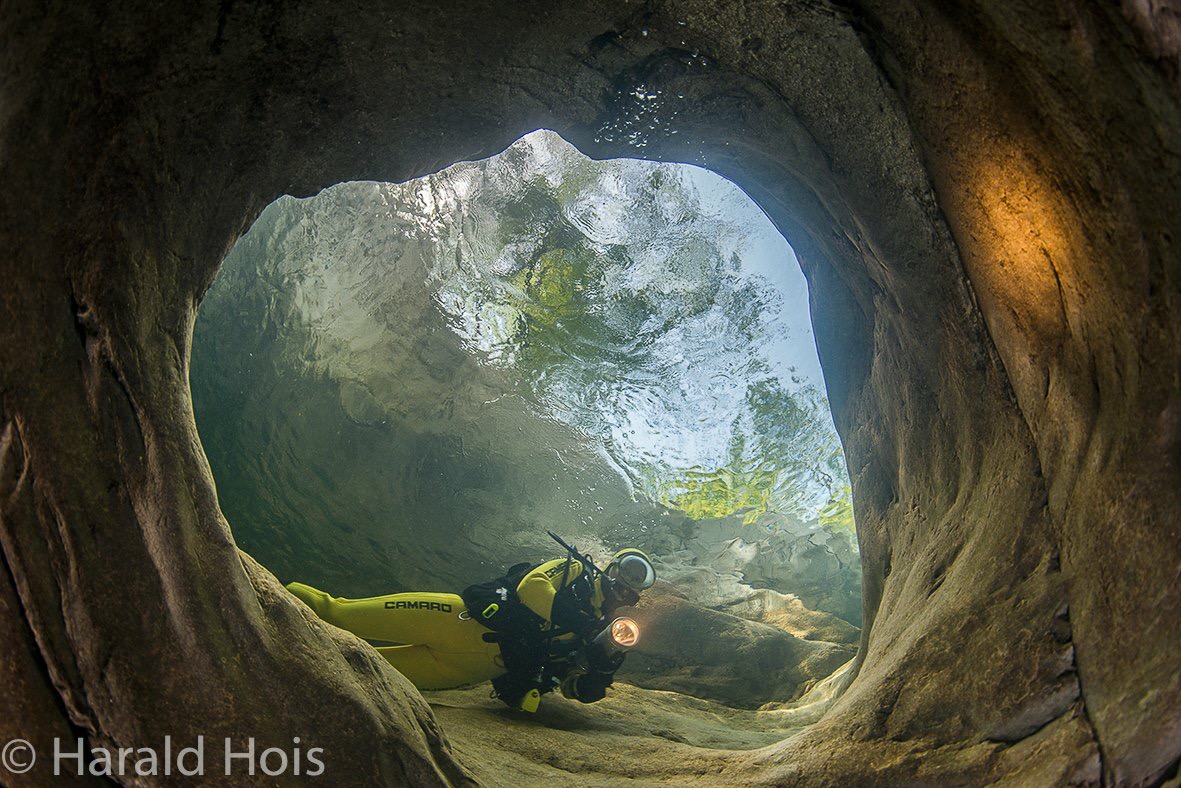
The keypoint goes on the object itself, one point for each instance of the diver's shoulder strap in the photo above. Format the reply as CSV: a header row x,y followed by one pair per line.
x,y
573,608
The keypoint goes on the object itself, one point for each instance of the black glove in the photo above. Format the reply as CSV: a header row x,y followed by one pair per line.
x,y
603,660
587,687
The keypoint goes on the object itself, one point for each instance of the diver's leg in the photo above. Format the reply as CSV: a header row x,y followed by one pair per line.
x,y
429,669
442,649
521,684
413,618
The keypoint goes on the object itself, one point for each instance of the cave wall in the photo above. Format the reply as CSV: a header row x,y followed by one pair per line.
x,y
981,195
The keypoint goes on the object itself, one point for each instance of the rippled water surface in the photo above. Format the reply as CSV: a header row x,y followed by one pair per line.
x,y
535,340
651,306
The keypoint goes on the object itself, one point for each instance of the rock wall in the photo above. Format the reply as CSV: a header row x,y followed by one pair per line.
x,y
981,194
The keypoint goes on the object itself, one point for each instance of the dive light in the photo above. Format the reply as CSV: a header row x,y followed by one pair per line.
x,y
622,634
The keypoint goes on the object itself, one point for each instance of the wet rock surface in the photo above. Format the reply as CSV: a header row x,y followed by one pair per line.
x,y
982,196
718,656
633,735
792,571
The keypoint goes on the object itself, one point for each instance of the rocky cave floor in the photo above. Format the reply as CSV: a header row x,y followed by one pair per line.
x,y
633,735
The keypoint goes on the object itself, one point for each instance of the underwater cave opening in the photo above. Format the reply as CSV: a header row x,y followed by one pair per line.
x,y
401,387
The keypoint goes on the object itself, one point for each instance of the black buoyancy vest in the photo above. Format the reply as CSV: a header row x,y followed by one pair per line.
x,y
495,604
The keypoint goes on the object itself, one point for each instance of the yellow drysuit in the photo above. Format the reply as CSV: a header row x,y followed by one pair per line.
x,y
438,645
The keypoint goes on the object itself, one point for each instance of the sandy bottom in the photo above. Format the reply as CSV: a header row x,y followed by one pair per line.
x,y
633,735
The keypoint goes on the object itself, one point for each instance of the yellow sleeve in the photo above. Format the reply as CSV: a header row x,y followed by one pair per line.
x,y
537,589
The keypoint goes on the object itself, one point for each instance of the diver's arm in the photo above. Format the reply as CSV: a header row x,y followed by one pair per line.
x,y
590,683
587,687
569,615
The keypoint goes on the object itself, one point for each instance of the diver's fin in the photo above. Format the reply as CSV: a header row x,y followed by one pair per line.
x,y
314,598
531,701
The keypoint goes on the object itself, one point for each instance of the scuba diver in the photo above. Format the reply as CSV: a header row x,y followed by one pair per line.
x,y
530,631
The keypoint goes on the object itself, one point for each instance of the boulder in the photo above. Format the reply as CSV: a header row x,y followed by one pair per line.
x,y
709,654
